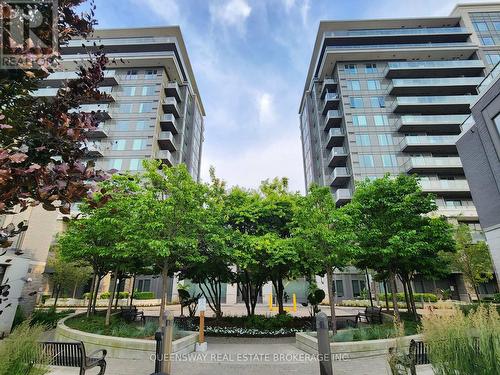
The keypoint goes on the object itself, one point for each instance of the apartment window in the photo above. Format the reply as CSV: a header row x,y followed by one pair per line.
x,y
351,69
358,286
148,90
371,68
359,120
131,74
145,107
135,165
363,139
496,25
140,125
356,102
377,102
139,144
129,90
144,285
115,164
480,26
487,41
354,85
493,58
119,144
373,84
151,74
122,125
389,161
385,139
339,288
381,120
126,108
366,161
452,203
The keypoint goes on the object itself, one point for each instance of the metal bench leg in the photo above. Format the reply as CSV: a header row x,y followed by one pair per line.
x,y
102,365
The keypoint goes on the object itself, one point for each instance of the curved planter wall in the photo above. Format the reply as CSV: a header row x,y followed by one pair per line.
x,y
354,349
120,347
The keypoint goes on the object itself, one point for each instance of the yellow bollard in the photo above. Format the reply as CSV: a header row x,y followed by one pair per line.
x,y
271,302
294,298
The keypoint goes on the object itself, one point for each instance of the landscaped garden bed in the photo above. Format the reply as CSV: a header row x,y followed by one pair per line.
x,y
255,326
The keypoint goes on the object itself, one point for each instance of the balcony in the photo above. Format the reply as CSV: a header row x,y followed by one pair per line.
x,y
329,85
453,68
342,196
101,111
170,106
337,157
435,86
431,124
94,150
332,101
51,92
168,123
99,132
166,141
172,90
332,118
57,79
340,177
454,188
433,104
464,212
165,156
336,137
428,164
433,143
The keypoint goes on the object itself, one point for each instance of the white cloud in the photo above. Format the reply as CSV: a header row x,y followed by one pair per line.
x,y
289,4
280,158
265,104
166,9
304,11
232,12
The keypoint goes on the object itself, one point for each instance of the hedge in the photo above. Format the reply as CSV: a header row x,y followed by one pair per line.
x,y
144,295
428,297
121,295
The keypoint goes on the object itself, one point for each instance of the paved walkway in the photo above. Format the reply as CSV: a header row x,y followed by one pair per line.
x,y
255,357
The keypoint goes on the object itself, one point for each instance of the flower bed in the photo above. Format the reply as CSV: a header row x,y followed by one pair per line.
x,y
256,326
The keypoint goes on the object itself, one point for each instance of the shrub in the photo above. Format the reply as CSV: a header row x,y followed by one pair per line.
x,y
144,295
428,297
464,344
21,349
48,317
496,298
121,295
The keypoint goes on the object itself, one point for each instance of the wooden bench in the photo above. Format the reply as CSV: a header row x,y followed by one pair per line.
x,y
130,314
372,315
72,354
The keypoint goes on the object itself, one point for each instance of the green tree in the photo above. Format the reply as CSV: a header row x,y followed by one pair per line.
x,y
395,233
472,258
325,237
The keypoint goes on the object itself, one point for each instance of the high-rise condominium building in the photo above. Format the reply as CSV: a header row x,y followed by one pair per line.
x,y
154,110
390,96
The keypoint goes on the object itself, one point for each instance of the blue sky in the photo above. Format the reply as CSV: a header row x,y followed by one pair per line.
x,y
250,58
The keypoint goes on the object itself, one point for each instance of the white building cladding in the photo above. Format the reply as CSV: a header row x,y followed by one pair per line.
x,y
389,96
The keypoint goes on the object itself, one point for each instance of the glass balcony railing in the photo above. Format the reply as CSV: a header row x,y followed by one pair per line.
x,y
416,82
399,31
430,140
336,132
432,119
121,41
434,100
340,172
333,113
435,64
445,185
405,45
343,195
331,96
429,161
489,78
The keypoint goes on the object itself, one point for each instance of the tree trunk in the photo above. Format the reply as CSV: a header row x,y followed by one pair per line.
x,y
117,294
74,290
110,300
331,297
405,290
392,279
94,297
132,292
386,297
369,288
57,295
281,310
412,301
164,286
478,295
91,296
